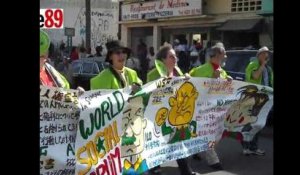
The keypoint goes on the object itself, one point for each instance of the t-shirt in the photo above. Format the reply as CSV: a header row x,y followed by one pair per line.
x,y
265,77
46,79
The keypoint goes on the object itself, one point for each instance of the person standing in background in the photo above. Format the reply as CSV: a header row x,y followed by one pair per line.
x,y
142,56
151,57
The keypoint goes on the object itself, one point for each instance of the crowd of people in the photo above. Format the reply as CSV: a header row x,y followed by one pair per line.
x,y
166,63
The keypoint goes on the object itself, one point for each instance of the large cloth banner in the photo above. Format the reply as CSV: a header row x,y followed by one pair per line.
x,y
168,119
59,116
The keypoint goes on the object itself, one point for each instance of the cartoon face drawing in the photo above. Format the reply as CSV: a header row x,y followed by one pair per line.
x,y
69,97
183,105
245,110
180,114
133,126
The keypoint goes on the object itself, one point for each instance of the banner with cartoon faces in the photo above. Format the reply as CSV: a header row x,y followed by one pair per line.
x,y
168,119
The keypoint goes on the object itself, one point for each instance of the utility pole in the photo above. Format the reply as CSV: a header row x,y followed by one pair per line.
x,y
88,24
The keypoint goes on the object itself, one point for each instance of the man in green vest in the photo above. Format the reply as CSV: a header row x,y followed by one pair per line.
x,y
212,69
258,72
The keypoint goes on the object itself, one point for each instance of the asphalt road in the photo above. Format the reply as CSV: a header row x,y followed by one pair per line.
x,y
232,159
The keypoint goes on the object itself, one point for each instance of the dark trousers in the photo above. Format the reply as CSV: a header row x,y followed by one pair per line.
x,y
183,165
252,145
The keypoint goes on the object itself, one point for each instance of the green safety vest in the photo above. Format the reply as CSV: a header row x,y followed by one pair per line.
x,y
206,70
106,79
253,66
159,71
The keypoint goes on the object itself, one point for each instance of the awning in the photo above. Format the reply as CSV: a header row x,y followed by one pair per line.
x,y
241,25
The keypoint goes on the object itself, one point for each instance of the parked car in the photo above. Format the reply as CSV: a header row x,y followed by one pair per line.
x,y
236,63
86,68
238,60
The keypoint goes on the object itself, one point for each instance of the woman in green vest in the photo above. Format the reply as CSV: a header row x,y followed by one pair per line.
x,y
116,76
212,69
48,75
165,66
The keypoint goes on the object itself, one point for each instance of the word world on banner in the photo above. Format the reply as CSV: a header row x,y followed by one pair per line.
x,y
114,132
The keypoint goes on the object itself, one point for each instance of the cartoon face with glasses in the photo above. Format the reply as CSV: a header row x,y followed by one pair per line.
x,y
133,127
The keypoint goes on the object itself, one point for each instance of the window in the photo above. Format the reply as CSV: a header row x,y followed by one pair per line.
x,y
95,69
76,66
238,61
245,5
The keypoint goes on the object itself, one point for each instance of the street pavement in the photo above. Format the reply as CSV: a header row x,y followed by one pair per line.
x,y
232,159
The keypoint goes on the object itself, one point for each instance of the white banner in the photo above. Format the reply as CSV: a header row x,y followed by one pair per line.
x,y
59,116
168,119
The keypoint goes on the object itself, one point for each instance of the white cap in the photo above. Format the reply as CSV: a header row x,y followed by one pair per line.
x,y
263,49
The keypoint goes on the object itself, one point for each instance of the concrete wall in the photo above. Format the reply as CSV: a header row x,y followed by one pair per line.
x,y
104,21
265,40
217,6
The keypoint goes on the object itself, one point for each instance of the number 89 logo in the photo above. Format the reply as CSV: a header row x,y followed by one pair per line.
x,y
51,18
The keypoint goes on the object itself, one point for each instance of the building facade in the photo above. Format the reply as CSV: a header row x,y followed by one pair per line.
x,y
237,23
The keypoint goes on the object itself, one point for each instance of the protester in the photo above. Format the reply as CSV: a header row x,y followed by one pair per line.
x,y
74,54
117,76
258,72
165,66
48,75
212,69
